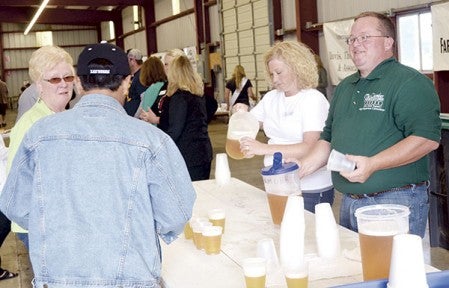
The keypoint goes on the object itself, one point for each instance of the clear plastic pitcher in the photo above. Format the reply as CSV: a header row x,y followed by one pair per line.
x,y
377,225
241,124
280,181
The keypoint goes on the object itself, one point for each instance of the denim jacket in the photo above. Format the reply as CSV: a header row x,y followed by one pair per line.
x,y
96,189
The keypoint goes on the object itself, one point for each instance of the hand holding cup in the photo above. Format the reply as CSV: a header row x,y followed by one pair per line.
x,y
338,162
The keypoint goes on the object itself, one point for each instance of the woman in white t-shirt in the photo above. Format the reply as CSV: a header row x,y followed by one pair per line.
x,y
293,115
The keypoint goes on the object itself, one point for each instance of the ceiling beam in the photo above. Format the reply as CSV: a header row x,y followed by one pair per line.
x,y
96,3
58,16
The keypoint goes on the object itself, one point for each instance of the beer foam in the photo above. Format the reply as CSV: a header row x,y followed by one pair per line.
x,y
197,227
216,214
296,275
254,267
212,231
254,271
382,228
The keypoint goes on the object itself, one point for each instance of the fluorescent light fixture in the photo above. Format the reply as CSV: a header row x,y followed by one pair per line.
x,y
38,13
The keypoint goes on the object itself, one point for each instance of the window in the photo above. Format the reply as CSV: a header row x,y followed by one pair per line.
x,y
415,40
137,17
175,7
111,30
44,38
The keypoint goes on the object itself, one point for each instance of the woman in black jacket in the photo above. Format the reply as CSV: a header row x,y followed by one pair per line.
x,y
184,117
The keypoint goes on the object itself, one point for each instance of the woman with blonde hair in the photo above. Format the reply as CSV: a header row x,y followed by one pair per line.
x,y
51,69
292,115
184,117
239,89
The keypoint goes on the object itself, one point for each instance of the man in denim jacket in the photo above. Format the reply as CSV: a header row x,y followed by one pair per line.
x,y
97,188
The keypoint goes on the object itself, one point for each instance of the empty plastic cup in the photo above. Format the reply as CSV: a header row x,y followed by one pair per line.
x,y
338,162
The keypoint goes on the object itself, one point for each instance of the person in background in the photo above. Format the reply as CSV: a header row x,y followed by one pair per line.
x,y
136,88
184,117
51,70
292,115
3,101
153,76
239,89
385,118
322,76
98,229
163,103
169,56
27,99
5,228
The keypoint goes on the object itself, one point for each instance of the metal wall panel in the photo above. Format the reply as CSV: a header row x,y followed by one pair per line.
x,y
289,14
136,40
163,8
331,10
178,33
14,81
18,48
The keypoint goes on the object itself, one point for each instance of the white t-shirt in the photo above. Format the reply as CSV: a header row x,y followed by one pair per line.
x,y
286,119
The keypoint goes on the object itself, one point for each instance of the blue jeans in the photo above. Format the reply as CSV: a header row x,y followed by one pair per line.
x,y
415,198
313,198
24,238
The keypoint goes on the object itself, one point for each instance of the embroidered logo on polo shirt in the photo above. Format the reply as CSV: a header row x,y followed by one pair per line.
x,y
373,101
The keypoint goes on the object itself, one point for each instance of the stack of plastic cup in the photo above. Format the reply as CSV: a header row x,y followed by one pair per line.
x,y
326,231
267,250
407,263
222,171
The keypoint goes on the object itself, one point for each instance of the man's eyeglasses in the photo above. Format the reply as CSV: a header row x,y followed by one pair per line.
x,y
362,38
57,80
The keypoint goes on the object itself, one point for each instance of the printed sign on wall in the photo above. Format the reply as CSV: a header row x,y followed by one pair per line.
x,y
440,14
340,63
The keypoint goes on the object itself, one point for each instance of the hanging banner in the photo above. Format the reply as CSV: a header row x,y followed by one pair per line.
x,y
340,63
440,14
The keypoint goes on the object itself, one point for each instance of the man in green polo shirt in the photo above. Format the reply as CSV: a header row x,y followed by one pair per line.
x,y
385,118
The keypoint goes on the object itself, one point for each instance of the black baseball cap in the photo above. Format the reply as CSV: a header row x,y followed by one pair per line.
x,y
110,52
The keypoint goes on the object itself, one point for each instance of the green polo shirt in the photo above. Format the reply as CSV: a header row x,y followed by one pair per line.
x,y
38,111
368,115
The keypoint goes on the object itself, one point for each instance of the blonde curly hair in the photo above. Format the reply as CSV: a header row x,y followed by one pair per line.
x,y
46,58
299,58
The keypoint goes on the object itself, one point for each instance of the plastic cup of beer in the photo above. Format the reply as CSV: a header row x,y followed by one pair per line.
x,y
338,162
197,228
298,276
377,225
212,239
188,232
255,271
217,217
407,267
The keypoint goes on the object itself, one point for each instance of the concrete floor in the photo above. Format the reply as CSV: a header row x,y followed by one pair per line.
x,y
15,257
